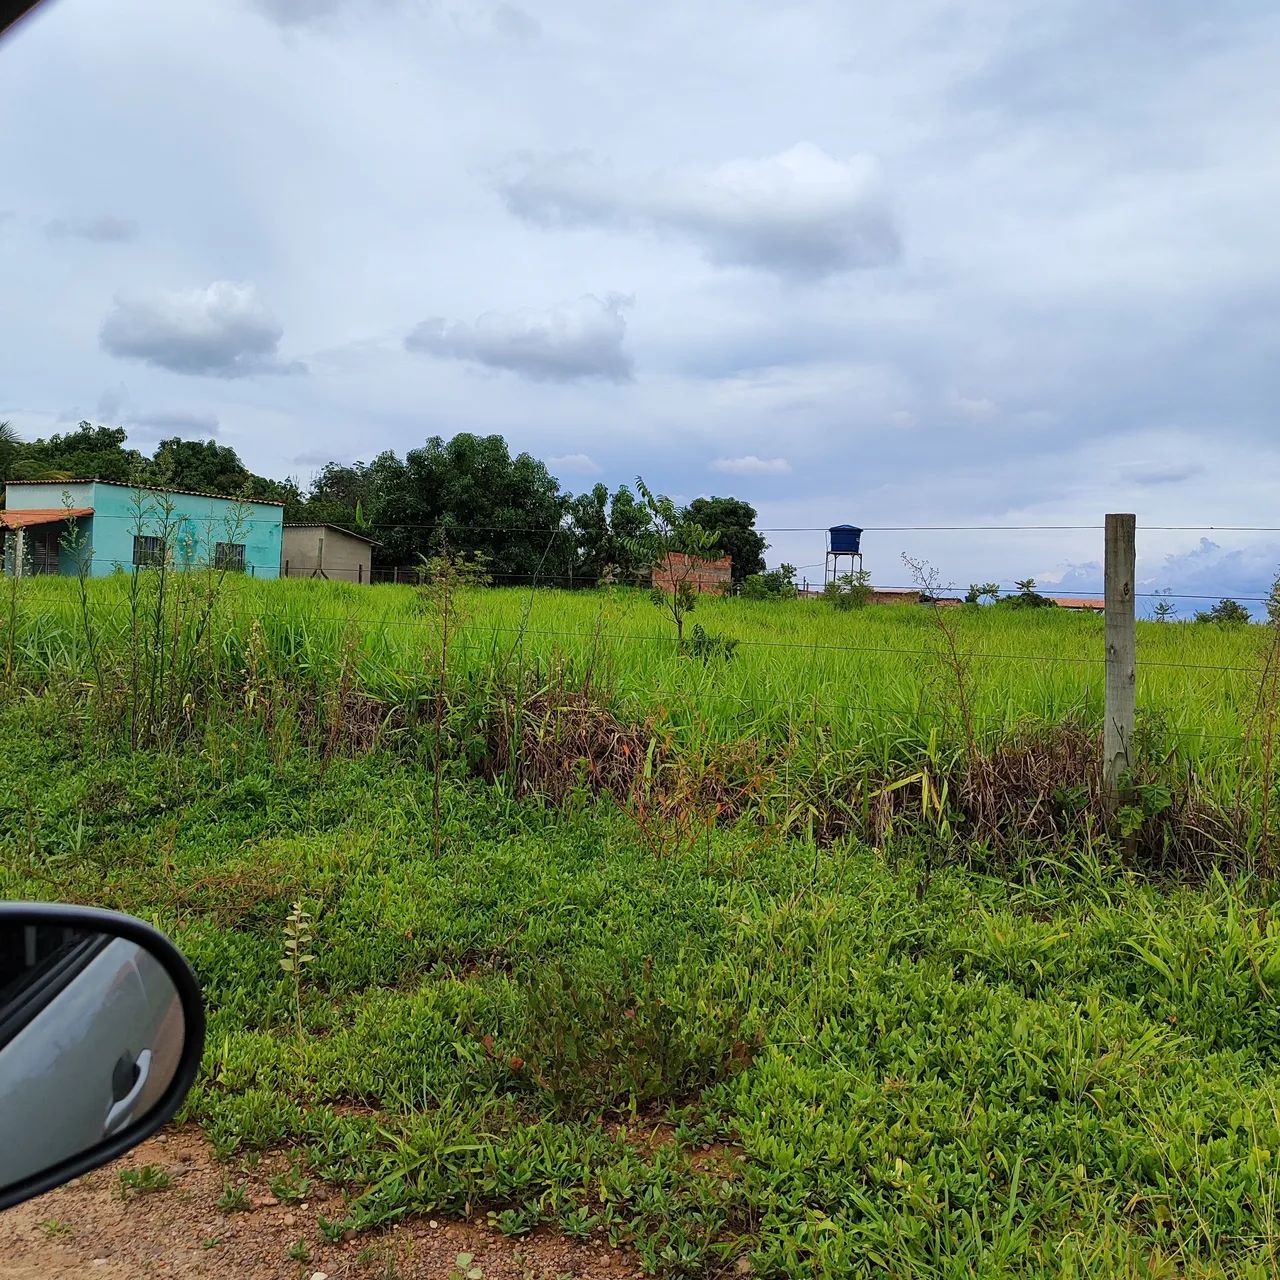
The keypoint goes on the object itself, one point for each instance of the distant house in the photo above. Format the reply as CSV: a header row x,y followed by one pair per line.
x,y
326,551
99,526
713,576
1082,604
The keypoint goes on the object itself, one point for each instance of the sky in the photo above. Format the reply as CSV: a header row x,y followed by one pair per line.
x,y
937,264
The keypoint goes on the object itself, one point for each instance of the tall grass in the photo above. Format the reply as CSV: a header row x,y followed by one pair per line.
x,y
827,697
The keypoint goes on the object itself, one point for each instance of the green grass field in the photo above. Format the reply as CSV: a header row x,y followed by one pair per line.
x,y
713,1038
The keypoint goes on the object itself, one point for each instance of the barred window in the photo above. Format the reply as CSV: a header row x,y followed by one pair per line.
x,y
229,555
148,549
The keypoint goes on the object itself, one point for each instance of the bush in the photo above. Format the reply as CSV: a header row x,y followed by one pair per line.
x,y
1229,613
1027,598
778,584
849,590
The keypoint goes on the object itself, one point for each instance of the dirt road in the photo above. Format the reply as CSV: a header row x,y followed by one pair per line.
x,y
96,1229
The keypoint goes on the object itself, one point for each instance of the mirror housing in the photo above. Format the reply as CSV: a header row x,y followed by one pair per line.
x,y
101,1033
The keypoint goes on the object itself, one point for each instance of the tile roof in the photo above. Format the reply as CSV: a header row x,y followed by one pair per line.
x,y
41,515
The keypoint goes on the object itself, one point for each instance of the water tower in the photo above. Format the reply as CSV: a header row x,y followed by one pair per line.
x,y
842,540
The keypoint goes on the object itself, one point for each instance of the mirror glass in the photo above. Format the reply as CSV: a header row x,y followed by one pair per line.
x,y
91,1035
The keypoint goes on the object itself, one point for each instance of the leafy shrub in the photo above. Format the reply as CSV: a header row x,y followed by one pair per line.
x,y
777,584
601,1041
849,590
1027,597
707,647
1227,612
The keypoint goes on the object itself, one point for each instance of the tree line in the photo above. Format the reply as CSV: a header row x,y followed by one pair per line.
x,y
467,493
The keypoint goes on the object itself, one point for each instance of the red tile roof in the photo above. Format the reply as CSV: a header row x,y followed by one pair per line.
x,y
41,515
1078,602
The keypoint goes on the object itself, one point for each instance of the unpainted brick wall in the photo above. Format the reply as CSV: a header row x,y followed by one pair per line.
x,y
714,576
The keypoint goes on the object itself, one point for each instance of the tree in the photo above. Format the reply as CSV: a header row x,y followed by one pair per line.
x,y
1027,597
736,536
674,543
1165,608
10,443
1226,612
604,530
88,451
200,465
484,501
982,591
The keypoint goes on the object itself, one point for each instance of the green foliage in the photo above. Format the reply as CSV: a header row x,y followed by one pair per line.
x,y
1227,613
771,1043
982,591
708,647
1026,597
234,1198
150,1177
470,490
735,524
778,584
672,543
605,532
849,591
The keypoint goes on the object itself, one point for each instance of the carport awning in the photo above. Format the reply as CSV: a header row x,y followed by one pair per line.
x,y
41,515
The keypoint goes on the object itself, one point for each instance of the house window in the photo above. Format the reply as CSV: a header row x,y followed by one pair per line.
x,y
229,555
147,550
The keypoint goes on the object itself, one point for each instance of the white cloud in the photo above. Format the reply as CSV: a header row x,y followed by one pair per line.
x,y
223,331
580,339
750,465
902,419
801,213
579,463
976,408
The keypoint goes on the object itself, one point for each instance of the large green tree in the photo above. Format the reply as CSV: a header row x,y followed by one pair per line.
x,y
734,523
86,452
605,530
471,492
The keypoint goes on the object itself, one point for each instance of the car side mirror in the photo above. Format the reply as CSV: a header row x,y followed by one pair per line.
x,y
101,1032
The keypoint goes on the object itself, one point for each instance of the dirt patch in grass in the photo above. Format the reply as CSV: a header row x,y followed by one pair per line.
x,y
87,1229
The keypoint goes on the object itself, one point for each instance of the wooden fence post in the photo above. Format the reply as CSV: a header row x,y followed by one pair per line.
x,y
1121,669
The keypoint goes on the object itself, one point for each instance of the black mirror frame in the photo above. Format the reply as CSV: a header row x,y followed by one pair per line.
x,y
117,925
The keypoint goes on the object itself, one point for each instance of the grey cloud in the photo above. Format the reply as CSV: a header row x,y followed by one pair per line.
x,y
515,24
112,400
105,228
581,339
297,13
178,422
223,331
800,214
1150,473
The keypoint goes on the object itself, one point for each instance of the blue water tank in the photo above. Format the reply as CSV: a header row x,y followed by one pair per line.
x,y
845,538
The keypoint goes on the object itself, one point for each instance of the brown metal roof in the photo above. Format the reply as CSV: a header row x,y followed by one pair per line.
x,y
337,528
152,488
41,515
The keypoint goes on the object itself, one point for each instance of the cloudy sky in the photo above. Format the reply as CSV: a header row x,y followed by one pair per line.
x,y
923,264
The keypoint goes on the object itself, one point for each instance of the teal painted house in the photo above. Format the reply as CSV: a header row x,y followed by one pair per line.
x,y
55,526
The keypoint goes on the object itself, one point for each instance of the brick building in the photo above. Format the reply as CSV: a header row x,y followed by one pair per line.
x,y
703,576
